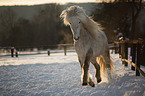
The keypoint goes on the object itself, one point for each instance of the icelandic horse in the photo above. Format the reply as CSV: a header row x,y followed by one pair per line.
x,y
90,43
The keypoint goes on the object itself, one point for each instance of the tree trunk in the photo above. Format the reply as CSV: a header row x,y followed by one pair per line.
x,y
136,8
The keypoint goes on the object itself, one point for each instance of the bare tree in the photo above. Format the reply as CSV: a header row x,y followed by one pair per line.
x,y
136,6
8,18
47,24
7,21
133,9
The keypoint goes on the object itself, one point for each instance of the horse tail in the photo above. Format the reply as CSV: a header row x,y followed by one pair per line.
x,y
102,64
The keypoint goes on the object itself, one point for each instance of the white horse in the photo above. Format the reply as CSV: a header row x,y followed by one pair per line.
x,y
90,43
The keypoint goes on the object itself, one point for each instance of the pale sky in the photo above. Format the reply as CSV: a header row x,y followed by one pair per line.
x,y
33,2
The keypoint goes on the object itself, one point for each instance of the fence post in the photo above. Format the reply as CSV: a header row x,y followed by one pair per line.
x,y
48,52
123,52
16,53
115,47
131,50
133,55
138,58
12,51
126,53
119,50
65,50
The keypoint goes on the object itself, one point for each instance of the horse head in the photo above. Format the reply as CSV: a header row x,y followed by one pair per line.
x,y
72,16
75,25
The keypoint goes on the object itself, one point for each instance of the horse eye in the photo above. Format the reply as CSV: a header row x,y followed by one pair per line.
x,y
79,22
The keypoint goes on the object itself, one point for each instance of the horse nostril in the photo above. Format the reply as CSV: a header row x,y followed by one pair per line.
x,y
76,38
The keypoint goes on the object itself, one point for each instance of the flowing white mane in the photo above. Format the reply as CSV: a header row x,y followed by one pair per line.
x,y
78,12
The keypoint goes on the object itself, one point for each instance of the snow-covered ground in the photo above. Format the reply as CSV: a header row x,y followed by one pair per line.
x,y
59,75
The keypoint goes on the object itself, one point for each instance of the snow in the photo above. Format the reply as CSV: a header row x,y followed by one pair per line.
x,y
59,75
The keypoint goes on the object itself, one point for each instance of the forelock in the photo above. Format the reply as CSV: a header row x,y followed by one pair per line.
x,y
71,12
74,11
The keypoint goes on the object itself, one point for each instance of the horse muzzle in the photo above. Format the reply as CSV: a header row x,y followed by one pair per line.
x,y
77,38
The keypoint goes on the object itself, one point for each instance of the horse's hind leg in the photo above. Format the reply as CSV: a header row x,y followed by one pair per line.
x,y
97,67
107,59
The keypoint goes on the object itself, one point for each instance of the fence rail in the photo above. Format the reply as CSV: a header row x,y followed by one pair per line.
x,y
15,50
131,41
122,49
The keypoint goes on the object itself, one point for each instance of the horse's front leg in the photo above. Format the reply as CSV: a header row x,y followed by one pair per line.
x,y
81,64
81,61
86,72
85,69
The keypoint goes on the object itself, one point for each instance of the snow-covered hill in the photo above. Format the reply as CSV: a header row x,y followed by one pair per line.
x,y
59,75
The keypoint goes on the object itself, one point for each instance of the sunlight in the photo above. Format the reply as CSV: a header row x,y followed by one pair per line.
x,y
36,2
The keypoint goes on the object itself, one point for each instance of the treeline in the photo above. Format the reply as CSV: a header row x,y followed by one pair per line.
x,y
45,28
122,19
114,18
125,19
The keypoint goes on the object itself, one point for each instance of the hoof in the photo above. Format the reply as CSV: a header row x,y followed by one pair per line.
x,y
93,85
99,80
84,84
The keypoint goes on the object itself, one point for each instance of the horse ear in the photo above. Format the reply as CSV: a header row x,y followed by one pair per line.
x,y
63,14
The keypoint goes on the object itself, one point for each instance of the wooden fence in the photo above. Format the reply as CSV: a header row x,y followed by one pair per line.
x,y
122,49
65,47
135,47
14,50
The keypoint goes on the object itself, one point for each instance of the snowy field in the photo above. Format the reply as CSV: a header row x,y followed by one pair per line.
x,y
59,75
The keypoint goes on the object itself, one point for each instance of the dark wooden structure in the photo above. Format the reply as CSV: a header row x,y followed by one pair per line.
x,y
135,47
